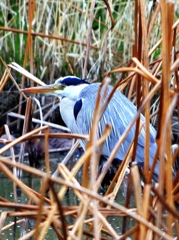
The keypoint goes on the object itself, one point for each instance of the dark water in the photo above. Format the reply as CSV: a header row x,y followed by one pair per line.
x,y
6,191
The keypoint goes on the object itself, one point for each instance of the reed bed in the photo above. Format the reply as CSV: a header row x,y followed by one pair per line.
x,y
145,68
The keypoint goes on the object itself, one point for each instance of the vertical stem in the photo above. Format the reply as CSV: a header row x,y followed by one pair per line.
x,y
26,127
164,137
145,89
31,15
89,38
29,49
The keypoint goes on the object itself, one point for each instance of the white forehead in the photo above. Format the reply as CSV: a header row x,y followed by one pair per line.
x,y
73,92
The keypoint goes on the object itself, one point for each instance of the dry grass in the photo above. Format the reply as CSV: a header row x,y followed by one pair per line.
x,y
151,74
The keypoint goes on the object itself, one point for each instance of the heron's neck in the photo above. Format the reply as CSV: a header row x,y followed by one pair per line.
x,y
73,92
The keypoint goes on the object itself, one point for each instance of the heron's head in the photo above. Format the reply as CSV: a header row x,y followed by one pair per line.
x,y
69,86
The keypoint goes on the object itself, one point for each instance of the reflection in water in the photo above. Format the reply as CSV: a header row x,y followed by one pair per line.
x,y
6,191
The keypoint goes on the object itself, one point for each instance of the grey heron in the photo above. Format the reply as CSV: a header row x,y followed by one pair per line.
x,y
78,98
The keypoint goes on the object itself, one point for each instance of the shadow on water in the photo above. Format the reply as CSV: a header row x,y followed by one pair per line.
x,y
70,199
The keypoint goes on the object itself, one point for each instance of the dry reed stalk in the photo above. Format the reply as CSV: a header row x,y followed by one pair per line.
x,y
138,194
67,158
145,85
25,73
106,37
29,47
48,221
79,223
129,232
7,73
57,224
157,68
2,220
13,159
47,163
132,84
145,74
119,176
40,206
165,102
11,224
146,204
153,19
51,219
67,176
162,199
34,120
45,36
4,80
27,236
169,177
88,38
59,135
28,50
26,128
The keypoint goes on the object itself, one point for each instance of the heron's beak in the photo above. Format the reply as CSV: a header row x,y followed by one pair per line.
x,y
48,89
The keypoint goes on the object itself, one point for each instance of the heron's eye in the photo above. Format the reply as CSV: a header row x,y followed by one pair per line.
x,y
60,86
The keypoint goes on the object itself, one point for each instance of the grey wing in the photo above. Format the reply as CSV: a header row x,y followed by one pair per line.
x,y
119,113
115,114
126,115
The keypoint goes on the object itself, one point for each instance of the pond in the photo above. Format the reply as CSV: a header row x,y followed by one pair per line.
x,y
70,199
